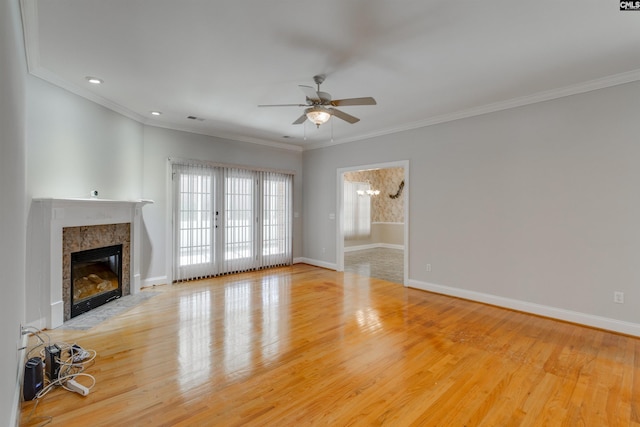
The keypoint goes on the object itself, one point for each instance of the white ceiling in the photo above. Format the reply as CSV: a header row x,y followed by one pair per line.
x,y
423,61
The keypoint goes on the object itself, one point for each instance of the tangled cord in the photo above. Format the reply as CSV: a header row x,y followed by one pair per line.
x,y
69,368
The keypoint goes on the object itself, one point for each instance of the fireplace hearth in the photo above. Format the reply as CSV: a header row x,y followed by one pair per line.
x,y
96,278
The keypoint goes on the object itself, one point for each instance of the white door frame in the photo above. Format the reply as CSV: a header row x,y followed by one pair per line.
x,y
340,204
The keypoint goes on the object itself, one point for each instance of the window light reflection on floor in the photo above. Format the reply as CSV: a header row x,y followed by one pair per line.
x,y
194,340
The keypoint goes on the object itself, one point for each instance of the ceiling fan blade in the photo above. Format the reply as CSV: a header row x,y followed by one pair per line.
x,y
283,105
309,92
344,116
300,120
353,101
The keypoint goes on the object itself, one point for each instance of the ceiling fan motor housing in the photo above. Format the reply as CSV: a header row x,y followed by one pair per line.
x,y
319,78
325,98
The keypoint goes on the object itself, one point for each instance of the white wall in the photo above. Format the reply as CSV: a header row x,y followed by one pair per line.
x,y
12,205
537,204
161,144
75,146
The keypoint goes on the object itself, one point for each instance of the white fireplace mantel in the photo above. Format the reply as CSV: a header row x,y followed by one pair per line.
x,y
50,216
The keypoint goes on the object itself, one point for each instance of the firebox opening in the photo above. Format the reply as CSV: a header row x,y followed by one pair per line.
x,y
96,278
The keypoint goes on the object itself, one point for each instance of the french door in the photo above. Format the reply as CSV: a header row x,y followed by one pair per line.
x,y
228,220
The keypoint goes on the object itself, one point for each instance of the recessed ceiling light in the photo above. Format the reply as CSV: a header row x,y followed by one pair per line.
x,y
156,113
94,80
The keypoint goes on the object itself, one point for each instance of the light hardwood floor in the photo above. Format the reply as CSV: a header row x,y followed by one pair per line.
x,y
306,346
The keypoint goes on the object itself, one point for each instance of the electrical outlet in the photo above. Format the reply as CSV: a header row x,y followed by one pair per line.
x,y
618,297
23,340
428,268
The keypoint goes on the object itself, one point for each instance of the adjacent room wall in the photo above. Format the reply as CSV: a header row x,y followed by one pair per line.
x,y
12,207
160,145
387,213
536,204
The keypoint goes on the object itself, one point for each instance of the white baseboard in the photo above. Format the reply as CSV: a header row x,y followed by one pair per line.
x,y
155,281
360,247
40,323
606,323
315,262
391,246
17,393
372,246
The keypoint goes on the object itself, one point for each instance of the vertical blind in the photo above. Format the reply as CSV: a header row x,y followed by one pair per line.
x,y
229,219
193,221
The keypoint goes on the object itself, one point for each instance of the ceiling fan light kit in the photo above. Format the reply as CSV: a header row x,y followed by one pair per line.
x,y
320,106
317,115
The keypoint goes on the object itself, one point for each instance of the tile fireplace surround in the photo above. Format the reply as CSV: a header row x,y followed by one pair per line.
x,y
49,217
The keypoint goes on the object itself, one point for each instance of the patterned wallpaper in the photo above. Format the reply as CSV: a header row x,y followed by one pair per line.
x,y
383,207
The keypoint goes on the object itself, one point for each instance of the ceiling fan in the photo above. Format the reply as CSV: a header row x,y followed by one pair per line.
x,y
320,106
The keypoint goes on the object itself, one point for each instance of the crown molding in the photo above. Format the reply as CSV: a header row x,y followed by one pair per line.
x,y
30,19
228,137
548,95
29,11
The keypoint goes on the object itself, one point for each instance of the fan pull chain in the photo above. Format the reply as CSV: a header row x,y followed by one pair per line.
x,y
331,130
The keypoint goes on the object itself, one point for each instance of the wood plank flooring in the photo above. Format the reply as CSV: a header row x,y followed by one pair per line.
x,y
302,346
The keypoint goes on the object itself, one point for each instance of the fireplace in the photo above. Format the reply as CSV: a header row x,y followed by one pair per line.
x,y
59,227
96,278
102,271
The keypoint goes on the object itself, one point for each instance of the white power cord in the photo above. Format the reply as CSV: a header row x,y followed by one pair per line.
x,y
69,369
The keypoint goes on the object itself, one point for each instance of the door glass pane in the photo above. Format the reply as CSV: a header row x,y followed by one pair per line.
x,y
238,219
195,216
274,214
